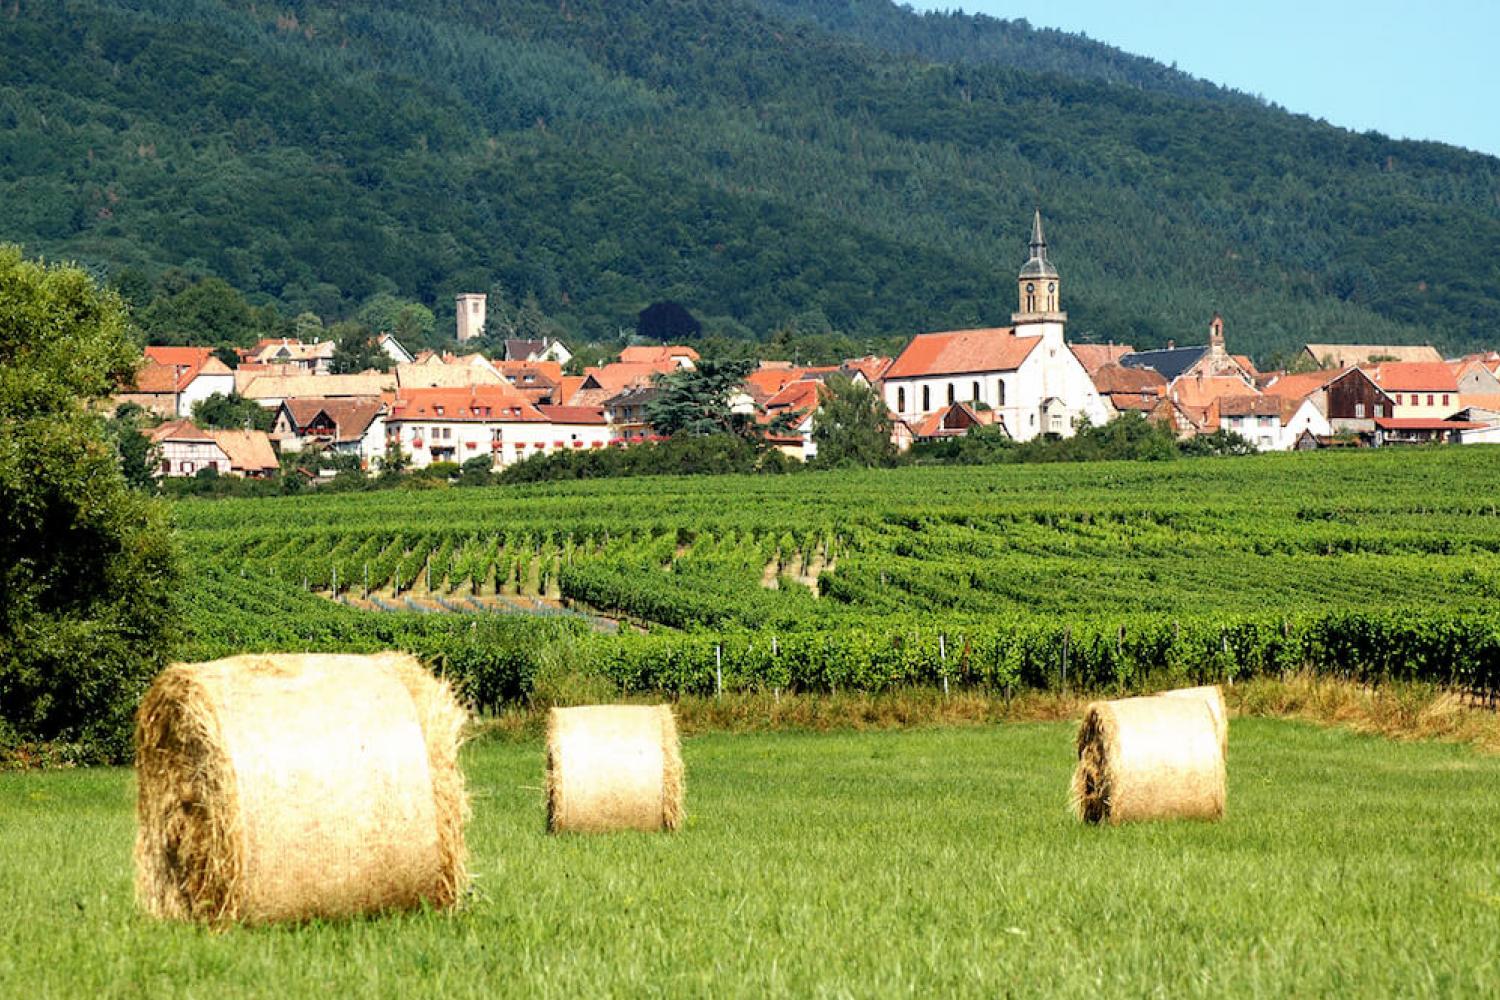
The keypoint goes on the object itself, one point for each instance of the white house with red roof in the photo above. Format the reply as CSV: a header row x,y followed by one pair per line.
x,y
174,379
497,421
1423,390
1024,373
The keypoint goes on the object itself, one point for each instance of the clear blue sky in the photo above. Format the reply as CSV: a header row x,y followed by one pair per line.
x,y
1413,70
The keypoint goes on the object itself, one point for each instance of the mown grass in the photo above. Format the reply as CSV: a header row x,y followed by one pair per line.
x,y
937,860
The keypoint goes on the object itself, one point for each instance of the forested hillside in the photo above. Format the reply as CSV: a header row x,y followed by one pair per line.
x,y
769,164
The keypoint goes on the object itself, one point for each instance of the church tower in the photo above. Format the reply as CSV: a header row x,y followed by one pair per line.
x,y
1039,284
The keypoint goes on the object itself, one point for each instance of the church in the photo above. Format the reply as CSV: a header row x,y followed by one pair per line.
x,y
1024,374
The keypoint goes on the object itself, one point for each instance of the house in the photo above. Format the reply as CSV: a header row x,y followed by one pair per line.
x,y
1197,398
271,391
455,425
1273,423
1212,359
1475,377
545,349
393,349
539,381
1025,372
1354,355
1421,389
1124,389
175,379
673,356
344,426
1487,416
312,359
954,420
577,427
184,449
1424,430
602,382
626,413
1349,399
797,405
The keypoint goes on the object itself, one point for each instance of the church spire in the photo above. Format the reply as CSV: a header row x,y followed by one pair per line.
x,y
1038,281
1038,241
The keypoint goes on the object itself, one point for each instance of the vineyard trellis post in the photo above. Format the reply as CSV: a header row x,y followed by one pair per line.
x,y
718,670
943,659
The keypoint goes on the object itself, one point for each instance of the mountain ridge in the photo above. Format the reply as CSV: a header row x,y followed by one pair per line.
x,y
763,169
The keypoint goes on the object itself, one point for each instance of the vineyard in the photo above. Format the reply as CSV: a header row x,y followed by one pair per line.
x,y
1377,565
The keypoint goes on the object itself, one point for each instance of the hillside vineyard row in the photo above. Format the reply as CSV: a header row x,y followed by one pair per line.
x,y
1373,566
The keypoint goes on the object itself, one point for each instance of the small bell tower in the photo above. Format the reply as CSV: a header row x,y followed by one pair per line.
x,y
1039,285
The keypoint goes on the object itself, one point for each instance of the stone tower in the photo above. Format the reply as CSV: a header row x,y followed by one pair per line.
x,y
470,315
1039,284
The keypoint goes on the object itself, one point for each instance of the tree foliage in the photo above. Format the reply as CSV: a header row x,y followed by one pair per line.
x,y
699,401
232,412
357,350
756,162
86,565
852,427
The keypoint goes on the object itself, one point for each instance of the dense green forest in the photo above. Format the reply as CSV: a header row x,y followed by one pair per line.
x,y
775,165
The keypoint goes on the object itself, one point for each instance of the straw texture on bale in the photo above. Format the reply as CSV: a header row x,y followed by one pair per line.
x,y
1213,697
287,787
613,767
1148,758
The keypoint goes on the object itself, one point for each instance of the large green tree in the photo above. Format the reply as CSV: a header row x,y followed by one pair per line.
x,y
698,401
86,563
852,426
232,412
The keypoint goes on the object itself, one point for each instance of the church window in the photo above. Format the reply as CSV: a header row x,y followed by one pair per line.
x,y
999,392
926,398
900,400
950,394
974,392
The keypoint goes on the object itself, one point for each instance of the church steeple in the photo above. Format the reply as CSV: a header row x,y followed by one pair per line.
x,y
1039,281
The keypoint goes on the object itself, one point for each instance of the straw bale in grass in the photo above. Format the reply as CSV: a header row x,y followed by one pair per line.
x,y
1148,758
1213,697
288,787
613,767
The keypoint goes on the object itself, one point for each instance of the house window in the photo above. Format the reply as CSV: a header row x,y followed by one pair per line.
x,y
999,392
951,394
974,392
900,400
926,398
1429,399
1359,411
166,466
1445,399
438,410
1265,421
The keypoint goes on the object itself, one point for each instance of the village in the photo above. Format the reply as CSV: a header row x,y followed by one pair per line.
x,y
1024,381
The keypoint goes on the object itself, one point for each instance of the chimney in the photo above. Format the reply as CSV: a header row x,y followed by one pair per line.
x,y
1171,344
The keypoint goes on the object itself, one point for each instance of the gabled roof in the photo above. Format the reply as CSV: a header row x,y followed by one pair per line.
x,y
191,357
155,378
173,369
287,349
351,416
248,451
871,366
1096,356
1258,406
179,430
954,420
1347,355
479,403
1197,391
1426,424
801,395
1413,376
526,373
1171,362
962,352
520,350
614,377
634,395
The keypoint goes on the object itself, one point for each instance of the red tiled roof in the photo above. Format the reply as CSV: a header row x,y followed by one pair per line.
x,y
501,401
1301,385
1113,378
1096,356
649,354
961,352
573,414
178,430
1413,376
932,425
803,395
155,378
614,377
189,356
872,367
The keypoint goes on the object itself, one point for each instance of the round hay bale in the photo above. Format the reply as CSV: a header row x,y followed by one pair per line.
x,y
1213,697
613,767
287,787
1148,758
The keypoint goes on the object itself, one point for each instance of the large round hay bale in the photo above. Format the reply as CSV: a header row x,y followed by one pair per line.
x,y
287,787
613,767
1211,696
1148,758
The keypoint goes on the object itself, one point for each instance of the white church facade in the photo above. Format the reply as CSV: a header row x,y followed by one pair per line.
x,y
1024,373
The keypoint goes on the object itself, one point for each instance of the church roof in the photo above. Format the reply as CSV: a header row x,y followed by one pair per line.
x,y
961,352
1038,266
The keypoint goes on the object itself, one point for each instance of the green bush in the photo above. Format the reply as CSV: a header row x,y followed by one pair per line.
x,y
86,563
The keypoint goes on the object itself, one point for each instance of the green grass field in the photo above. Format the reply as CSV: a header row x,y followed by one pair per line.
x,y
939,861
